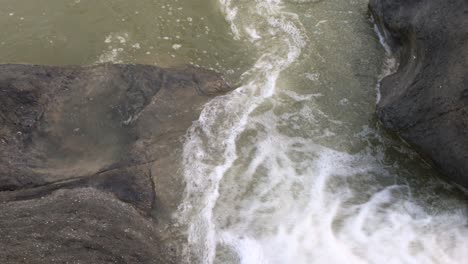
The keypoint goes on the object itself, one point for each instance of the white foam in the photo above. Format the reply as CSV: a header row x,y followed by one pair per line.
x,y
176,46
390,62
210,149
252,32
230,13
117,45
384,228
270,197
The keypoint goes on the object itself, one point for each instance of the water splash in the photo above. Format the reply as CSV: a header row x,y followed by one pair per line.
x,y
263,187
210,148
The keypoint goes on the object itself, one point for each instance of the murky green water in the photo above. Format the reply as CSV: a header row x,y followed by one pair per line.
x,y
293,166
162,32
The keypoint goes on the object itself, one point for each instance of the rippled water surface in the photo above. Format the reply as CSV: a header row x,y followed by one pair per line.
x,y
293,166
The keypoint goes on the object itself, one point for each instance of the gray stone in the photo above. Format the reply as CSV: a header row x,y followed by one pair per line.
x,y
425,101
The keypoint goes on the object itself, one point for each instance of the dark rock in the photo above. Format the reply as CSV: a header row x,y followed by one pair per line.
x,y
425,101
89,160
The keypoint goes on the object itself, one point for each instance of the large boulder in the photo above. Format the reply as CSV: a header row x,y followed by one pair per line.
x,y
426,100
89,160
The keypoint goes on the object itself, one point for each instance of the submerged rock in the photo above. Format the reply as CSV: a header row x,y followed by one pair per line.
x,y
426,100
89,160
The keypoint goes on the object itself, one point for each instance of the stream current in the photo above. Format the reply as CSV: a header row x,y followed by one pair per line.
x,y
293,166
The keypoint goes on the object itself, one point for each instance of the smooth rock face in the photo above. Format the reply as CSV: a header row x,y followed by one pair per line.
x,y
426,100
89,159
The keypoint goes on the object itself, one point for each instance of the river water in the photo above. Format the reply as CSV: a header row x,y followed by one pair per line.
x,y
293,166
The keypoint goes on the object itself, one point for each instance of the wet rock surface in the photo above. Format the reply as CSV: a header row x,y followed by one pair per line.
x,y
89,160
425,101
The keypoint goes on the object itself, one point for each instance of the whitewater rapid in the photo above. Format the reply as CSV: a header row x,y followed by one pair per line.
x,y
273,177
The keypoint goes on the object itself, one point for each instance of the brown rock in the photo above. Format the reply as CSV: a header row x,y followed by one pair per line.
x,y
89,160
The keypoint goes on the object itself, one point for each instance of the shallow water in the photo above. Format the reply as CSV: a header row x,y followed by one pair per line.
x,y
293,166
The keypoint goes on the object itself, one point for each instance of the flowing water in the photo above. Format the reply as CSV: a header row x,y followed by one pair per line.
x,y
292,167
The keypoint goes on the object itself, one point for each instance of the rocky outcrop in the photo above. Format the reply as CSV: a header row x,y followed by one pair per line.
x,y
426,100
89,160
